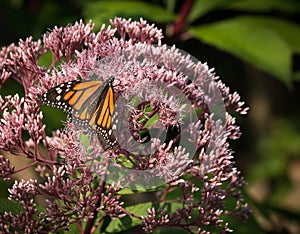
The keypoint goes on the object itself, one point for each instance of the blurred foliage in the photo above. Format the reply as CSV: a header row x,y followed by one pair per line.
x,y
277,149
254,46
102,11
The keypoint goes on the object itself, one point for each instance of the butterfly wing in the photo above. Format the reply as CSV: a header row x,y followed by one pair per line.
x,y
102,118
90,103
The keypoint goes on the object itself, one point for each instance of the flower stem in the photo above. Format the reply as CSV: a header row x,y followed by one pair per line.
x,y
101,189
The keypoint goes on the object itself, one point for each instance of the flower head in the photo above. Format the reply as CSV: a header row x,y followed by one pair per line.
x,y
172,128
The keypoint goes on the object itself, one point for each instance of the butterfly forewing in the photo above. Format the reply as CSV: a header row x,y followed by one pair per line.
x,y
90,103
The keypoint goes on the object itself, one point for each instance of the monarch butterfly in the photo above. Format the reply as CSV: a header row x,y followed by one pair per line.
x,y
90,103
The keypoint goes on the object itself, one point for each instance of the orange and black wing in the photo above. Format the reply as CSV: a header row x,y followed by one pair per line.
x,y
90,104
102,118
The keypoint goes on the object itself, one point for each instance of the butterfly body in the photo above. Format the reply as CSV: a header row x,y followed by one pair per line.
x,y
89,103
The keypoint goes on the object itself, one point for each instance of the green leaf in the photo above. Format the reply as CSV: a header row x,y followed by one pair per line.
x,y
4,186
173,230
105,10
11,87
251,226
128,222
289,31
297,76
141,210
265,5
124,191
255,43
73,229
85,140
10,206
53,117
45,59
171,207
202,7
277,149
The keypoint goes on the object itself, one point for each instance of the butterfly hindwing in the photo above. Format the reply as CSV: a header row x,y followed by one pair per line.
x,y
90,104
106,116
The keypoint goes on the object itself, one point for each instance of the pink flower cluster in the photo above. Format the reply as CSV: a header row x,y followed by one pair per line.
x,y
75,185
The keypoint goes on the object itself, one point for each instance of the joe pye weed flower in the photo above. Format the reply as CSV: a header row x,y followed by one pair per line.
x,y
172,165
